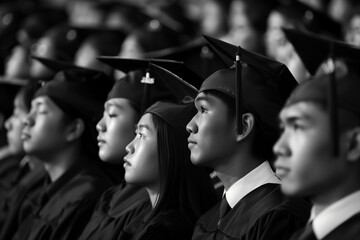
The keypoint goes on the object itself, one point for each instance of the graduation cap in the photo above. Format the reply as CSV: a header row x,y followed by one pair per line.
x,y
196,54
143,84
257,83
312,19
76,90
176,114
177,67
339,86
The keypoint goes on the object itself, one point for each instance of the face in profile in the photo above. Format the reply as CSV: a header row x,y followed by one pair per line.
x,y
211,138
142,161
45,128
14,126
116,129
305,161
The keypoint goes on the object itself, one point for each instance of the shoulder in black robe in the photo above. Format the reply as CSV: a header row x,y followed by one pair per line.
x,y
64,207
118,207
262,214
18,205
171,224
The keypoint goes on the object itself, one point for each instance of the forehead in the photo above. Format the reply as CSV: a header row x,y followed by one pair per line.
x,y
121,103
303,110
146,120
43,100
206,97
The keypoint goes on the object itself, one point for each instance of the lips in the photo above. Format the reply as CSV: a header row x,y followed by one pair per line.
x,y
282,172
100,141
126,162
25,136
191,142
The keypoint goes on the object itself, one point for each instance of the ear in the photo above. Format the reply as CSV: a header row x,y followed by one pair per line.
x,y
353,147
75,130
248,121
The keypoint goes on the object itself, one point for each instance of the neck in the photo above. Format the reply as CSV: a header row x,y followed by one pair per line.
x,y
154,196
335,192
59,163
233,169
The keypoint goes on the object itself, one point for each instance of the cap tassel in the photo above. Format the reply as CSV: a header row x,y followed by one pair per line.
x,y
147,81
332,97
238,85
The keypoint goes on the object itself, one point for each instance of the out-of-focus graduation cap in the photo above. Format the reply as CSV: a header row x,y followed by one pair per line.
x,y
340,85
176,114
79,91
195,54
259,84
312,19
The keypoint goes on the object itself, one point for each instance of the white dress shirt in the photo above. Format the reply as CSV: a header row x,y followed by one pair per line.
x,y
259,176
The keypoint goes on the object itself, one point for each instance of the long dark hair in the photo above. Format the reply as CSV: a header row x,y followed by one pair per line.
x,y
182,185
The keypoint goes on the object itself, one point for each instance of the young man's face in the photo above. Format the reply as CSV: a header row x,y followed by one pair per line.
x,y
45,128
305,160
116,129
14,126
212,133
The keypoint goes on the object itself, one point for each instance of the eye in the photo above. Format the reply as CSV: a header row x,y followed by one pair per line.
x,y
112,115
202,109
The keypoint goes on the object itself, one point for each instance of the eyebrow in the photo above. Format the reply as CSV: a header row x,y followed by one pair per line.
x,y
112,104
141,126
293,118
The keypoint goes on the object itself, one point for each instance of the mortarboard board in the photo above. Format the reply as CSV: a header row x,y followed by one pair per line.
x,y
336,88
176,67
266,84
141,84
195,54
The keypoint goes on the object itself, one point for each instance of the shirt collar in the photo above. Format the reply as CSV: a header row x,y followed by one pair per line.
x,y
335,214
259,176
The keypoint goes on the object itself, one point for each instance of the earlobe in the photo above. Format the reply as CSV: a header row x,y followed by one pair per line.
x,y
353,148
76,129
248,122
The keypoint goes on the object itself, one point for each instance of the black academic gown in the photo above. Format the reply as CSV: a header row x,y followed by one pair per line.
x,y
349,230
170,224
9,172
118,207
64,207
18,203
264,213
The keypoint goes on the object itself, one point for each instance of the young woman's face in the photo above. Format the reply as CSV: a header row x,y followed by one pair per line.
x,y
14,126
142,161
305,161
45,128
212,136
116,129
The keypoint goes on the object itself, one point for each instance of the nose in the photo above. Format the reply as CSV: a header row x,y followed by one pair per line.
x,y
7,123
281,148
28,120
130,147
191,127
100,126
